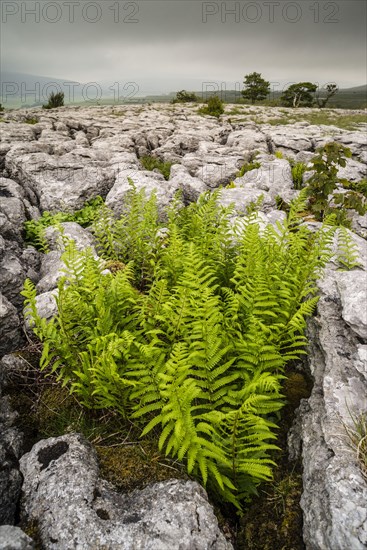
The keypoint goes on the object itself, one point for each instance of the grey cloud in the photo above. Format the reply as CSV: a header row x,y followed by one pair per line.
x,y
171,42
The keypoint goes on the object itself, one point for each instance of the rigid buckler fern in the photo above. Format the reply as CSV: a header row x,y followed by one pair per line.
x,y
191,335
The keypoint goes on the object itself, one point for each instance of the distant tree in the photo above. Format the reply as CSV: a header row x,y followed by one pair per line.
x,y
185,97
1,108
55,100
331,90
256,88
299,95
214,107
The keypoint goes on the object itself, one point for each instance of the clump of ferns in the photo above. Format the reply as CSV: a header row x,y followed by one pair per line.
x,y
190,335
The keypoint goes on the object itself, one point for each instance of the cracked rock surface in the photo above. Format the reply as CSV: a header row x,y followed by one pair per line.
x,y
75,509
73,154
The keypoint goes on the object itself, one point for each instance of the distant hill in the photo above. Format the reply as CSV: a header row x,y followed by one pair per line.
x,y
359,89
34,90
27,90
21,89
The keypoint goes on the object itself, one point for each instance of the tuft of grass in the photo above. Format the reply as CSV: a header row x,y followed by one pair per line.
x,y
252,165
31,120
236,111
279,121
346,122
357,435
151,163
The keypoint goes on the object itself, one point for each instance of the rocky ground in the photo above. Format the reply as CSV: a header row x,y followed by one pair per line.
x,y
56,160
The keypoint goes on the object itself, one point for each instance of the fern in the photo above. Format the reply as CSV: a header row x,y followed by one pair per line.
x,y
190,335
133,237
347,250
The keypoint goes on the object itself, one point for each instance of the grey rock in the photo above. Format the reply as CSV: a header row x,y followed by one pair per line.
x,y
276,216
352,286
51,270
190,186
11,442
31,261
14,132
363,156
12,276
150,181
10,329
359,223
293,137
242,198
355,140
13,368
81,237
12,210
334,491
75,509
46,307
273,177
249,139
220,172
13,538
3,246
361,362
353,171
62,182
304,156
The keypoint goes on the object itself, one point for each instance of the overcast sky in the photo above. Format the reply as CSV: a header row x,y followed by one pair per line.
x,y
180,44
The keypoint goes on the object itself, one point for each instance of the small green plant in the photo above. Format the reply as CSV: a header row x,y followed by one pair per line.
x,y
281,204
322,186
324,179
55,100
189,338
153,163
279,155
214,107
348,252
247,167
31,120
1,108
35,229
254,206
298,169
353,198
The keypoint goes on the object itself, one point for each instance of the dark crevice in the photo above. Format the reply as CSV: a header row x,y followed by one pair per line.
x,y
102,514
48,454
